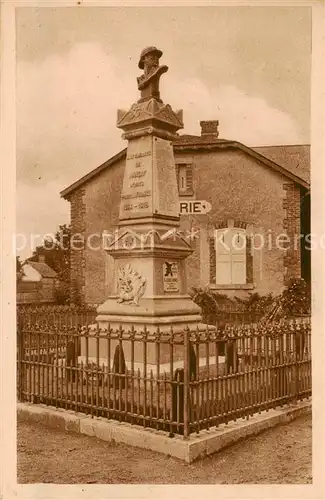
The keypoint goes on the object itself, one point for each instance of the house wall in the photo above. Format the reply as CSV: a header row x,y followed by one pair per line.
x,y
96,209
238,188
27,292
254,196
36,292
305,223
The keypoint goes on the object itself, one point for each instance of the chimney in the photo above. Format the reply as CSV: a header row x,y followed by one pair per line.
x,y
41,258
209,128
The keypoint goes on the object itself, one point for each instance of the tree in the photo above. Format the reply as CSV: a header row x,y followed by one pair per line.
x,y
56,253
19,269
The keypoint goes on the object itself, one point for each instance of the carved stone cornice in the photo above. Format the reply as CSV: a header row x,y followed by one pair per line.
x,y
153,243
148,117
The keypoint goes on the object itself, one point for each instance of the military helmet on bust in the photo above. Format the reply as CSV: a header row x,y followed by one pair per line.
x,y
145,52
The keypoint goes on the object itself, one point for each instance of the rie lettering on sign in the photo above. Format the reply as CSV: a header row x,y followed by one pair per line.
x,y
191,207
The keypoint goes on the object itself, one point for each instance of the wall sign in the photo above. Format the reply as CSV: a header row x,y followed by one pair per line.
x,y
191,207
170,277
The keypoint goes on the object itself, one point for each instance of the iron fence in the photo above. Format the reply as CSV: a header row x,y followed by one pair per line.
x,y
58,315
179,382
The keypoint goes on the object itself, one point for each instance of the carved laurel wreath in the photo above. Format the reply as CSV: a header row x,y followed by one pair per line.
x,y
131,285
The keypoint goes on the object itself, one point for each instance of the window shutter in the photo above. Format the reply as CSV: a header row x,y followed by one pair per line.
x,y
238,261
249,260
189,177
223,269
177,175
223,258
238,268
212,250
184,175
182,178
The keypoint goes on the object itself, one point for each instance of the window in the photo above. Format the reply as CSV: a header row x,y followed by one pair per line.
x,y
182,185
231,258
184,173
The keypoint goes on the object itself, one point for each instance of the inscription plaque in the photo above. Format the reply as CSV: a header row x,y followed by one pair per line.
x,y
166,201
170,277
136,196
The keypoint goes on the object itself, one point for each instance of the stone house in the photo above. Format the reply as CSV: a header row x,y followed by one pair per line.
x,y
37,284
252,239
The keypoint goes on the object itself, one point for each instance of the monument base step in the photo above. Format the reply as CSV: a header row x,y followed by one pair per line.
x,y
177,311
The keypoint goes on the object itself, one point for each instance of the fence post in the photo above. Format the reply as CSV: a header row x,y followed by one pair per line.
x,y
296,345
186,381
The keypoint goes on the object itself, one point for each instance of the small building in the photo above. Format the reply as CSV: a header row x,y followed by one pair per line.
x,y
258,195
38,283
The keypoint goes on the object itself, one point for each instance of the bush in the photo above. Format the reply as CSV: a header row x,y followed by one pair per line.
x,y
296,299
221,309
212,303
256,303
62,293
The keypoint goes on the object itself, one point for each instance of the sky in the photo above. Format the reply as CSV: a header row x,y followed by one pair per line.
x,y
248,67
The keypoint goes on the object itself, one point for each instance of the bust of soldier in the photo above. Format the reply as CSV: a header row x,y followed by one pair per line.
x,y
148,83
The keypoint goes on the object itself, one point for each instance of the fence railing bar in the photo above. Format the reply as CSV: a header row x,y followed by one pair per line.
x,y
145,376
157,380
186,387
171,376
197,383
165,397
108,360
120,379
138,392
98,374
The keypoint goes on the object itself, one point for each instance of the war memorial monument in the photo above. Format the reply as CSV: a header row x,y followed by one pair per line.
x,y
150,290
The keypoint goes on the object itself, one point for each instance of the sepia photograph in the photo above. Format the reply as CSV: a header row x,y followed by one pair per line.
x,y
163,244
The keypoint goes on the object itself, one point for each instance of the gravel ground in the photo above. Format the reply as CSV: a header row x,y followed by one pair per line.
x,y
280,455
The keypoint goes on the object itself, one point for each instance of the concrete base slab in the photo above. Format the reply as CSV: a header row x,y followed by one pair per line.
x,y
195,447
